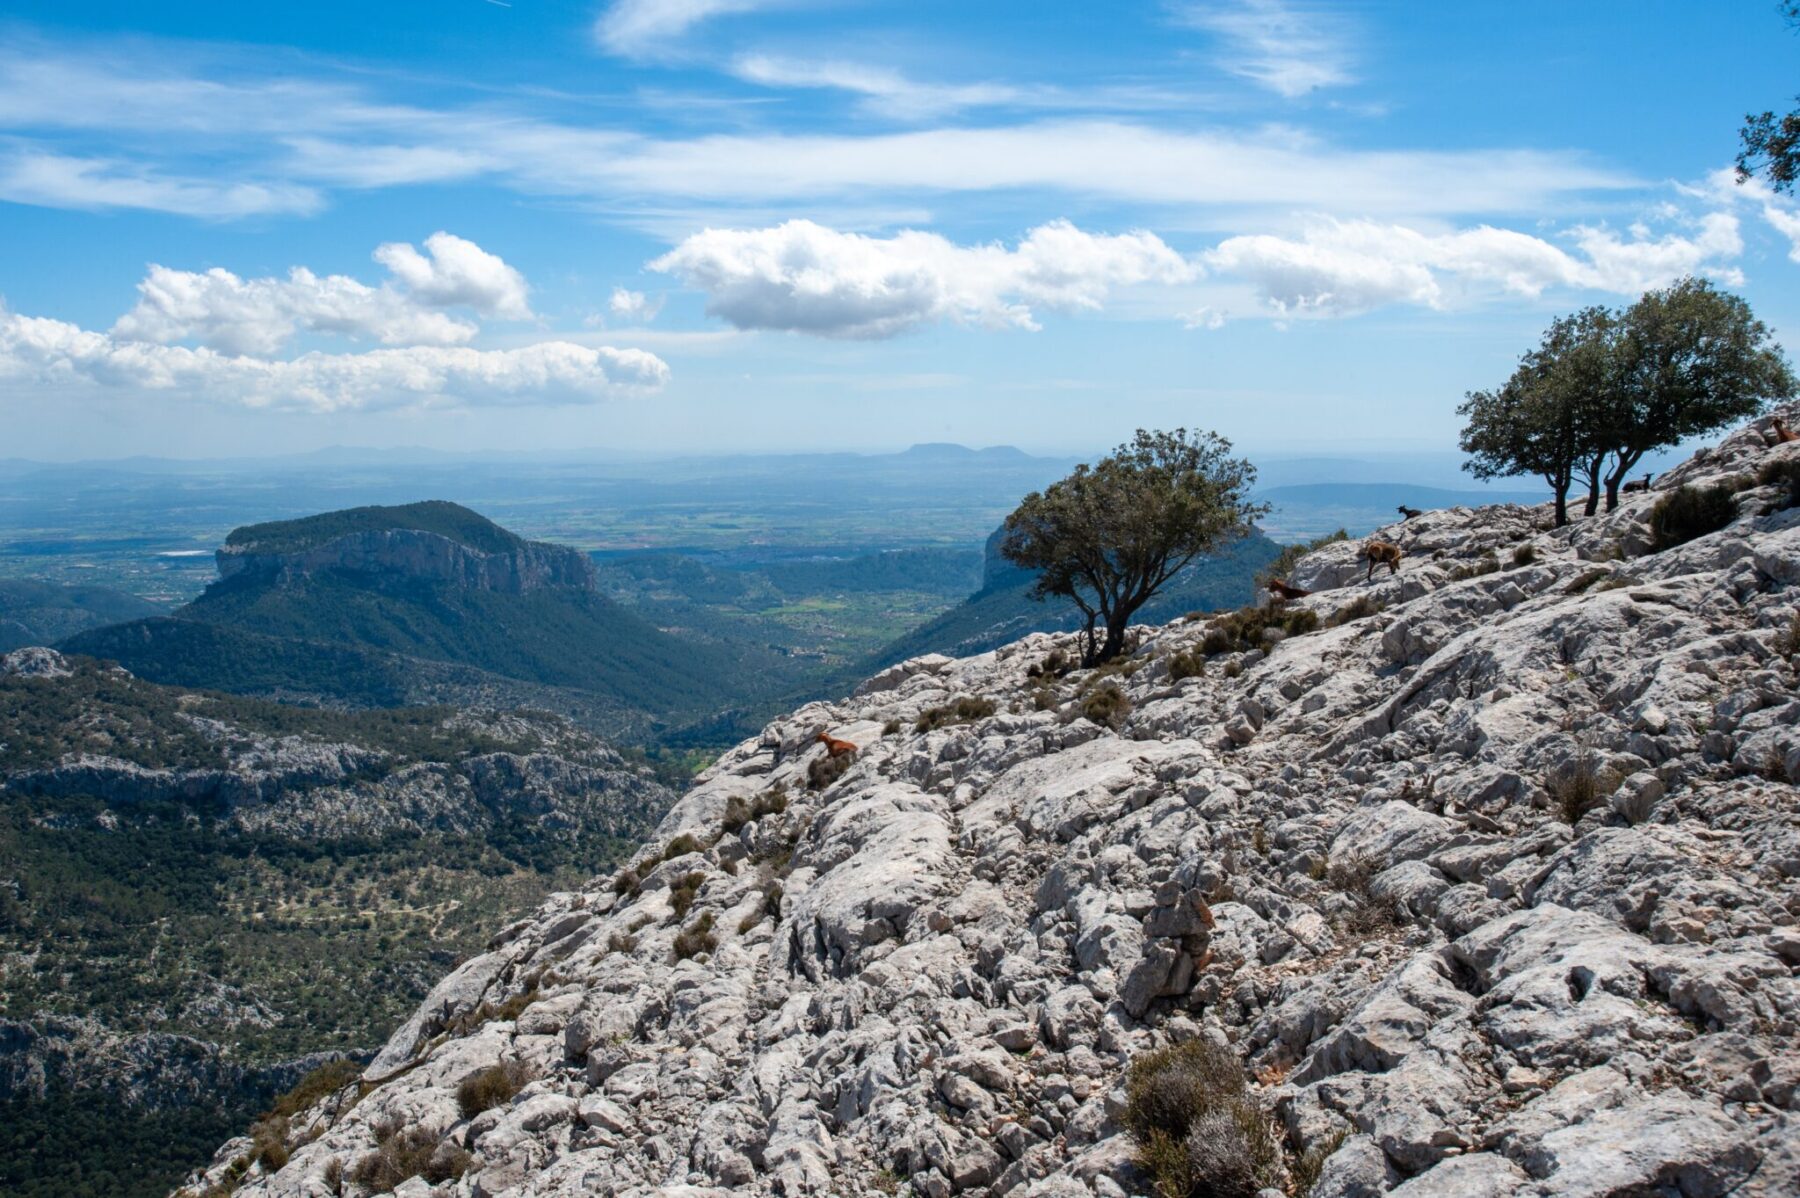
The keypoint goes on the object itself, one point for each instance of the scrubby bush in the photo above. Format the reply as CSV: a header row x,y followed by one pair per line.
x,y
627,883
1359,608
698,937
1189,663
622,942
1784,473
825,769
1243,629
1524,555
738,812
1689,512
1579,786
402,1155
1055,664
681,846
684,891
1106,705
965,710
1352,876
1488,563
1199,1134
491,1087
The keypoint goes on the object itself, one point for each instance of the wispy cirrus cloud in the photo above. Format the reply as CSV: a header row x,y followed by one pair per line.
x,y
285,145
638,27
1288,48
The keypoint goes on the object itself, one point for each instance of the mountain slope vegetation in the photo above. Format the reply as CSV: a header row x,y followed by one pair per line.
x,y
199,892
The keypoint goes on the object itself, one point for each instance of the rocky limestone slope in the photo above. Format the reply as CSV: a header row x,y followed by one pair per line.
x,y
1491,881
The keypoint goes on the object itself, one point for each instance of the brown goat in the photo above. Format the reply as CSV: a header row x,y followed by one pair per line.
x,y
835,747
1784,434
1280,591
1378,552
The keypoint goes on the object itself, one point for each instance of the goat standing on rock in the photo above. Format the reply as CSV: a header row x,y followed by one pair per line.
x,y
1378,552
1638,486
1407,513
835,747
1784,434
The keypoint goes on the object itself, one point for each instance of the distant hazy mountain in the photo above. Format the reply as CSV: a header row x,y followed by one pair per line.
x,y
385,605
43,613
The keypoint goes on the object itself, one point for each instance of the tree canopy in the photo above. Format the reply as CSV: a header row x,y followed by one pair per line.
x,y
1770,145
1110,535
1604,388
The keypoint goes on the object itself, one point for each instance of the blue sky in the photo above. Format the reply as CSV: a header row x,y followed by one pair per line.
x,y
714,225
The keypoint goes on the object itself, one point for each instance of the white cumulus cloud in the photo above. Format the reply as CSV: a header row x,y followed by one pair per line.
x,y
222,311
55,353
454,272
633,305
1345,267
804,277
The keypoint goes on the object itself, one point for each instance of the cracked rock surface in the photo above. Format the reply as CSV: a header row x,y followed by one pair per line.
x,y
1493,884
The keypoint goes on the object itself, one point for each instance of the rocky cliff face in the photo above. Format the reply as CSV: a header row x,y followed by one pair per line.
x,y
1491,881
416,554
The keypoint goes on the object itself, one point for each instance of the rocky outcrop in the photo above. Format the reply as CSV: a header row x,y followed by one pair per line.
x,y
411,553
1492,882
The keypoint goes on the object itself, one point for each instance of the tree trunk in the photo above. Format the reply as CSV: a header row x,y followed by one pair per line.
x,y
1593,496
1115,640
1562,506
1626,461
1089,658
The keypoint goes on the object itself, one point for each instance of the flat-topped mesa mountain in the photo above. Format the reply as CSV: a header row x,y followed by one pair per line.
x,y
1484,876
200,893
428,603
433,540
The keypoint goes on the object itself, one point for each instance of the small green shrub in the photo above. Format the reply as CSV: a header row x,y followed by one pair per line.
x,y
891,728
1580,786
1524,555
698,937
825,769
1242,630
627,883
403,1155
1689,512
681,846
1784,473
1106,705
327,1079
1189,663
684,891
1199,1133
491,1087
965,710
1787,644
1309,1164
739,813
1055,665
1488,563
1359,608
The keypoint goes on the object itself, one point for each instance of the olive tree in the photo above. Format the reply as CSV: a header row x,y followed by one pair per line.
x,y
1110,535
1604,388
1544,419
1687,361
1770,145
